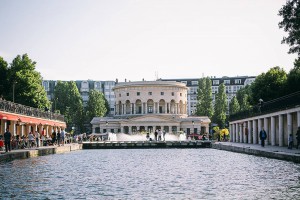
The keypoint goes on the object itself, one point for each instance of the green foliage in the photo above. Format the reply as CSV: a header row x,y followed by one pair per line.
x,y
270,85
106,106
26,83
96,105
68,100
290,23
293,78
234,106
204,105
3,77
243,97
220,106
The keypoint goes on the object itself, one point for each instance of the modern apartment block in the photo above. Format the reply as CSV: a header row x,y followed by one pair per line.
x,y
84,86
233,84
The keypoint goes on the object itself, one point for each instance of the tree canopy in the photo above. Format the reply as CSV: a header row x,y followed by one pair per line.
x,y
23,83
96,105
270,85
234,106
220,106
68,101
204,105
290,23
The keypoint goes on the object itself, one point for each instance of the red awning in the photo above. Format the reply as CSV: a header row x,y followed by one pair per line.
x,y
31,120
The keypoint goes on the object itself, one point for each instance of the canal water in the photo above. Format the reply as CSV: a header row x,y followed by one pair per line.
x,y
149,174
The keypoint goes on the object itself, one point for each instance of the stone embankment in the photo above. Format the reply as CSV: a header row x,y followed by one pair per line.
x,y
41,151
281,153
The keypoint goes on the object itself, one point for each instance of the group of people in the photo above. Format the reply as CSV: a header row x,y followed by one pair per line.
x,y
159,135
263,137
33,139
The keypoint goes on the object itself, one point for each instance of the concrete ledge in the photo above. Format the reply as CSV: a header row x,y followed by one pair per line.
x,y
269,153
146,144
34,152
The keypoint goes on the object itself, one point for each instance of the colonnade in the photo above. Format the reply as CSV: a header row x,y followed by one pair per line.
x,y
23,129
129,108
278,126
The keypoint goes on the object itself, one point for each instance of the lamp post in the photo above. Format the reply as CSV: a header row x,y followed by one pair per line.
x,y
193,126
106,123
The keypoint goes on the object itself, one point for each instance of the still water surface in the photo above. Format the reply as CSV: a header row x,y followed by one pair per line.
x,y
150,174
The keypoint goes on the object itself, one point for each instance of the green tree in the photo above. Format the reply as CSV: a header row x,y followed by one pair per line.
x,y
220,106
290,23
204,105
26,83
107,106
268,86
96,105
68,101
3,77
234,106
243,98
293,78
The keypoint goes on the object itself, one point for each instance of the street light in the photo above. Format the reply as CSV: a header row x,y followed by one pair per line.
x,y
193,126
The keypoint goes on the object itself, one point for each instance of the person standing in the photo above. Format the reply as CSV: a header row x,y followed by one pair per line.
x,y
290,140
164,135
37,138
155,134
263,136
298,137
58,138
62,136
7,138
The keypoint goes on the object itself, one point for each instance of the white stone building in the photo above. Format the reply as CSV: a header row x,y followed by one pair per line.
x,y
150,105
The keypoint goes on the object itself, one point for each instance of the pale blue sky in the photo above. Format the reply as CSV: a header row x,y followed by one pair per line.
x,y
134,39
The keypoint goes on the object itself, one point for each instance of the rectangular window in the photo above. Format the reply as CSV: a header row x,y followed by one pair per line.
x,y
181,94
194,82
127,94
237,81
149,93
150,109
227,82
172,93
215,82
185,82
138,94
162,93
119,95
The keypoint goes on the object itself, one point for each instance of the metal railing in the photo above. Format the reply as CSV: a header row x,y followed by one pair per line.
x,y
11,107
275,105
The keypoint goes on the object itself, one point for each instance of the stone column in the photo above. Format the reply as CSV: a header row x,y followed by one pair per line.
x,y
266,126
236,132
249,133
273,131
3,126
166,104
289,125
280,125
230,132
233,133
254,132
298,119
244,131
12,128
122,129
259,129
134,108
241,133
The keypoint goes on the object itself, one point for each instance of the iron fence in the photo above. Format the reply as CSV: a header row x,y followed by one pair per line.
x,y
275,105
11,107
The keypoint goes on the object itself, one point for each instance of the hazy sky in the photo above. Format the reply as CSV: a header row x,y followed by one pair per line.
x,y
134,39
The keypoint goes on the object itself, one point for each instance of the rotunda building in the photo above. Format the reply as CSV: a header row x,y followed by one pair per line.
x,y
150,105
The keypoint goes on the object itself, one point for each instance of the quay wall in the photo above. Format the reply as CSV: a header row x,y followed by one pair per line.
x,y
146,144
281,155
42,151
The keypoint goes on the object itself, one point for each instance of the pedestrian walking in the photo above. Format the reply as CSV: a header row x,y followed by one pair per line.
x,y
263,136
7,138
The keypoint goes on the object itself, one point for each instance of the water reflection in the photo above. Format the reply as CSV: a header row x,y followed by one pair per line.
x,y
150,174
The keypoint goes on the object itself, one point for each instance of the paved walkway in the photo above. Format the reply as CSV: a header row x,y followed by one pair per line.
x,y
267,148
282,153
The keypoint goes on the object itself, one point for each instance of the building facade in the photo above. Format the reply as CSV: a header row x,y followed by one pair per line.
x,y
150,105
84,87
232,84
